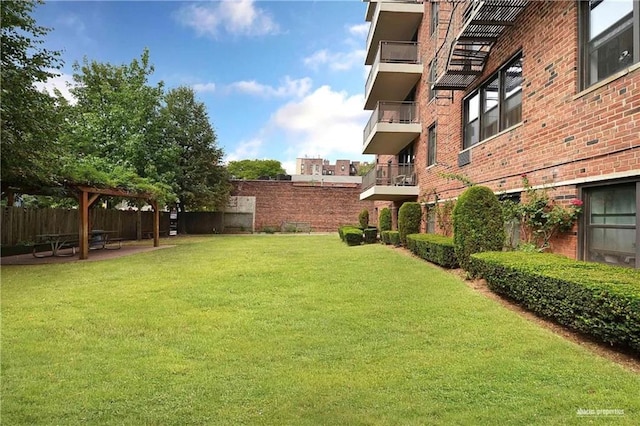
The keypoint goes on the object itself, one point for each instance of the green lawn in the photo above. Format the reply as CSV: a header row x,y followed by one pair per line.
x,y
284,330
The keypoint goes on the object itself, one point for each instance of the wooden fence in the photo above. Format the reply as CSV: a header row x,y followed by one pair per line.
x,y
20,225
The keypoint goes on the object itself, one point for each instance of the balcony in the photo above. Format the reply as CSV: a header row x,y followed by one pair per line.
x,y
483,21
392,126
391,20
396,70
390,182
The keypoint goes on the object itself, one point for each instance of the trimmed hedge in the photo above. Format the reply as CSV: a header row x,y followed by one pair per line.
x,y
363,219
345,227
352,236
385,219
384,237
434,248
409,217
477,223
370,235
394,238
596,299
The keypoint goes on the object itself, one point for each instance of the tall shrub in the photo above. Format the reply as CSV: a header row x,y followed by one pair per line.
x,y
385,219
477,223
409,217
364,219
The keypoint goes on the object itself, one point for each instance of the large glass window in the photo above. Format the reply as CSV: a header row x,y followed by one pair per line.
x,y
495,106
611,224
432,78
434,16
610,34
431,146
472,120
431,219
512,111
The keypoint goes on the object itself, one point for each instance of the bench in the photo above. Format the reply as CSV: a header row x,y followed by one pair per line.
x,y
110,244
149,234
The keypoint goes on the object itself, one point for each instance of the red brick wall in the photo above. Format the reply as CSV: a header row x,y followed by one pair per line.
x,y
566,135
324,207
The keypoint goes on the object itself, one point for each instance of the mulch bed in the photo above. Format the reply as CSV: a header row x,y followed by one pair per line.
x,y
94,255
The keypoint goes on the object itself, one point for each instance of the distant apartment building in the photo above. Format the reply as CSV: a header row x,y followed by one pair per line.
x,y
493,90
321,167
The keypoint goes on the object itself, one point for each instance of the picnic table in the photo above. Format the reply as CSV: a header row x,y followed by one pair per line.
x,y
100,239
56,242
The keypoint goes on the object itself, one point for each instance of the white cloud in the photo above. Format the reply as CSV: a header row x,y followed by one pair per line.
x,y
204,87
288,88
323,123
245,150
359,30
239,17
74,23
62,82
289,167
336,61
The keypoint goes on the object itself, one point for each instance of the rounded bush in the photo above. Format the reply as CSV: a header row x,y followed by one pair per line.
x,y
385,219
370,235
363,218
353,236
409,217
477,224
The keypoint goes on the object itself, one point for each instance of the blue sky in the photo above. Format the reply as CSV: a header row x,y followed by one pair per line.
x,y
280,79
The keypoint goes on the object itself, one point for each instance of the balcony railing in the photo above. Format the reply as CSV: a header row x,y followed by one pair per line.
x,y
371,11
402,174
483,22
394,52
392,112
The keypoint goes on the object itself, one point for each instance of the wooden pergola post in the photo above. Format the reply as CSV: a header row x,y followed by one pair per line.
x,y
83,235
156,223
88,195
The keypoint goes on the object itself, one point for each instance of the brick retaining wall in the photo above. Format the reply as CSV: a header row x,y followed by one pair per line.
x,y
324,207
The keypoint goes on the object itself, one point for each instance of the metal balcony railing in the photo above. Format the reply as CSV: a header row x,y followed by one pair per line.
x,y
394,52
483,21
402,174
373,6
392,112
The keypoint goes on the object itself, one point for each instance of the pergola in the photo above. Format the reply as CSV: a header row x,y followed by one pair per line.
x,y
87,195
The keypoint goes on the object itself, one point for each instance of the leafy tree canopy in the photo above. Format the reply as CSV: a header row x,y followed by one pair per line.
x,y
201,180
254,169
29,120
122,131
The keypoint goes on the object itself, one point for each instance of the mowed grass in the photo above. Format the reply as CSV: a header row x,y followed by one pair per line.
x,y
284,330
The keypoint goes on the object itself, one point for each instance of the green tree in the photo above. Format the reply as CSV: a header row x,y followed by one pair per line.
x,y
117,122
29,119
253,169
201,180
364,169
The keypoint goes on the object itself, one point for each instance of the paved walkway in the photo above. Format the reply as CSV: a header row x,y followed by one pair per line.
x,y
94,255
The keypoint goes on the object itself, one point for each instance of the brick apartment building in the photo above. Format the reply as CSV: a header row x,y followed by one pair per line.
x,y
491,90
320,166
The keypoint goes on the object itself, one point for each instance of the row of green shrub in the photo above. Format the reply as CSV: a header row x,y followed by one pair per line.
x,y
390,238
434,248
355,235
596,299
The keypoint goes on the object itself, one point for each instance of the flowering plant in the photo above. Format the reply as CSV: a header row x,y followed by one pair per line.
x,y
541,218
